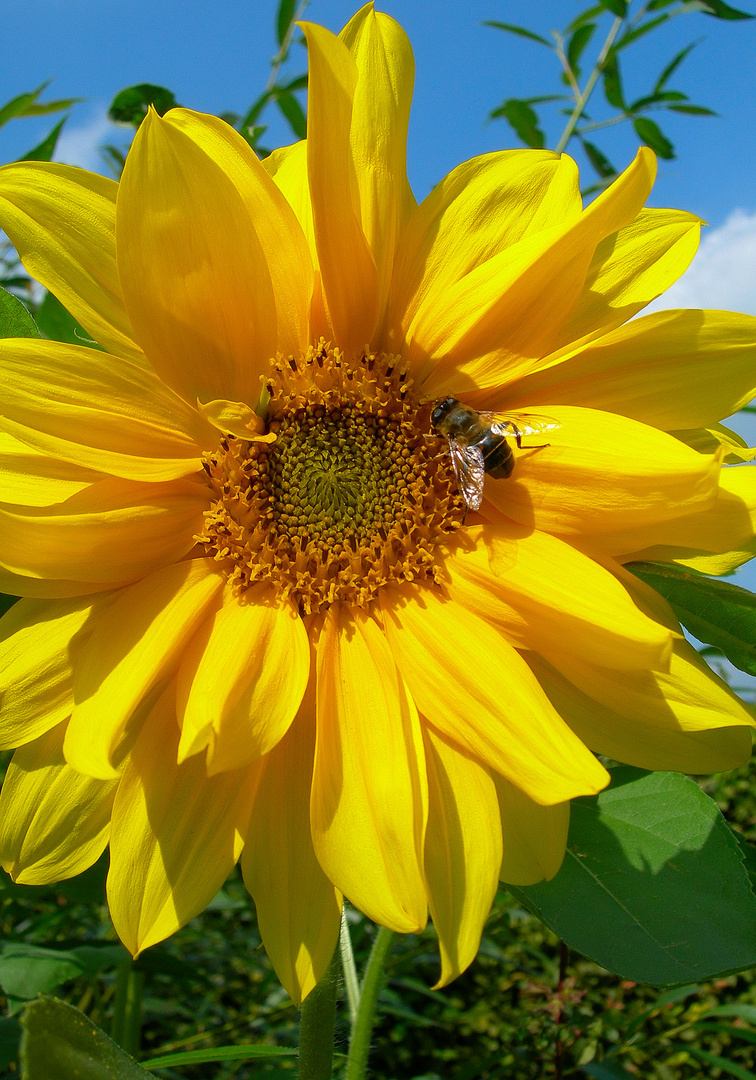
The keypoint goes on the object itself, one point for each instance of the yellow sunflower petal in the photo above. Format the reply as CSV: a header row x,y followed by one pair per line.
x,y
535,587
482,208
347,268
601,472
672,370
194,276
636,741
287,168
242,680
136,645
476,689
176,834
61,221
98,411
534,837
378,133
54,822
369,790
281,238
508,312
113,532
39,641
31,478
632,267
725,529
298,909
462,851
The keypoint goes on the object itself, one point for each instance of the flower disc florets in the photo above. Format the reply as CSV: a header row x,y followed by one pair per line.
x,y
353,493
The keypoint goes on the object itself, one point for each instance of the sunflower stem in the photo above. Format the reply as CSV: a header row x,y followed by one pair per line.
x,y
372,983
316,1024
349,968
126,1027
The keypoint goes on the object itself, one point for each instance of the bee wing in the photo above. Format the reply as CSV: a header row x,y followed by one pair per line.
x,y
525,423
469,471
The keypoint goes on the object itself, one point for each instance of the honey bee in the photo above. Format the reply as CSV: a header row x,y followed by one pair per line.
x,y
478,443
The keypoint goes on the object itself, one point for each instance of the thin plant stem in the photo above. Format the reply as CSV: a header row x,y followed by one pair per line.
x,y
283,52
316,1026
588,89
372,983
126,1027
349,968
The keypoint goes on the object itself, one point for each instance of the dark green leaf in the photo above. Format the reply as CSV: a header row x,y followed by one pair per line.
x,y
617,7
546,97
6,603
577,43
28,970
692,110
520,31
286,12
673,65
524,121
606,1070
659,98
599,161
44,151
61,1043
114,157
653,885
714,611
721,10
132,104
10,1037
15,320
639,31
703,1024
651,134
58,324
740,1009
658,5
613,82
300,83
294,113
219,1053
730,1068
584,17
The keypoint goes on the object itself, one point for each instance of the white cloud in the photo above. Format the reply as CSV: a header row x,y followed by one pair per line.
x,y
79,145
723,273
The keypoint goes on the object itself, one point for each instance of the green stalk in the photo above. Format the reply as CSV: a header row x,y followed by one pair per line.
x,y
351,982
588,89
126,1028
362,1029
316,1024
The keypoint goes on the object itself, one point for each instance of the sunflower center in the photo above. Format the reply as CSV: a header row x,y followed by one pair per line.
x,y
353,494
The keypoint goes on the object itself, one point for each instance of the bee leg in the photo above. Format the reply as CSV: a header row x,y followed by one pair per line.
x,y
518,437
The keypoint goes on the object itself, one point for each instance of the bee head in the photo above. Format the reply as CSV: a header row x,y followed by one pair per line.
x,y
441,409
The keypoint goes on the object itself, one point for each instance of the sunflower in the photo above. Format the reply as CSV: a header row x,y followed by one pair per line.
x,y
259,620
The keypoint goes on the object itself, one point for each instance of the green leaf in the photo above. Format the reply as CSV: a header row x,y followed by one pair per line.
x,y
58,324
673,65
130,106
599,161
639,31
656,98
7,602
613,82
520,31
44,151
62,1043
704,1024
617,7
584,17
651,134
714,611
721,10
28,970
653,885
294,113
10,1037
577,43
730,1068
692,110
220,1053
19,105
658,5
286,12
524,121
606,1070
15,320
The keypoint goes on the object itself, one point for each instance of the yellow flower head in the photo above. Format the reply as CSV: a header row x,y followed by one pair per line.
x,y
281,599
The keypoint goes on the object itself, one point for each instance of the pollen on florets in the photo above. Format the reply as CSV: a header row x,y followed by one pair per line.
x,y
352,494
